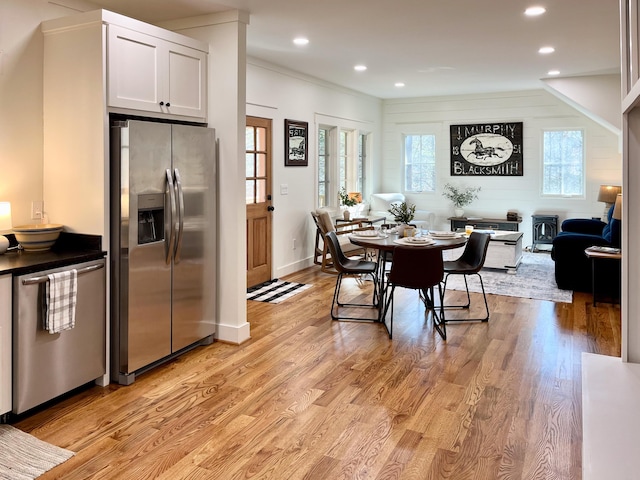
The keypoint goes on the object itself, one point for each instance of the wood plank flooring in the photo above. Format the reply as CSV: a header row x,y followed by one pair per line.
x,y
308,398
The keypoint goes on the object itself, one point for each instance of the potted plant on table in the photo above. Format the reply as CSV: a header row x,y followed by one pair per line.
x,y
460,197
346,200
402,213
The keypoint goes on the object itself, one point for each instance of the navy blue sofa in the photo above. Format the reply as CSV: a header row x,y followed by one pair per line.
x,y
573,268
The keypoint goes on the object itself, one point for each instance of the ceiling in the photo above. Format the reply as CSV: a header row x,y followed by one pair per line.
x,y
436,47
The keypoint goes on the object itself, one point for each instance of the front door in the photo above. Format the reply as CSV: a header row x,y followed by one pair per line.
x,y
258,198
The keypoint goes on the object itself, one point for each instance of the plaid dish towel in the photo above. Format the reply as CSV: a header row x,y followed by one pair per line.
x,y
60,301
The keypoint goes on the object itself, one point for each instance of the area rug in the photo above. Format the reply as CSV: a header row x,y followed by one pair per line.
x,y
534,278
25,457
275,291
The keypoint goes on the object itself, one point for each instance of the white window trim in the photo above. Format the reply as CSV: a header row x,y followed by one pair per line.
x,y
336,125
442,147
582,196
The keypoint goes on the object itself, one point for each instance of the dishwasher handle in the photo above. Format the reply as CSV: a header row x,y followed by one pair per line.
x,y
44,278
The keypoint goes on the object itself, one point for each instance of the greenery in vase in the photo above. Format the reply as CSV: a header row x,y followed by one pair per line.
x,y
345,200
402,212
460,197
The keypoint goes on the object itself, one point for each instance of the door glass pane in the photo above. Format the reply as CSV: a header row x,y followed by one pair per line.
x,y
261,137
261,167
261,191
249,191
249,140
249,167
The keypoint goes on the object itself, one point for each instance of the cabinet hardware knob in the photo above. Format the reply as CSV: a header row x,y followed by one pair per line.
x,y
161,103
168,104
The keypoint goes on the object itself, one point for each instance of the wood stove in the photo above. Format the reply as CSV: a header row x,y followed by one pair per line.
x,y
545,229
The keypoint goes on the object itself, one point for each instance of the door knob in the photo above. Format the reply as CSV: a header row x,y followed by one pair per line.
x,y
270,208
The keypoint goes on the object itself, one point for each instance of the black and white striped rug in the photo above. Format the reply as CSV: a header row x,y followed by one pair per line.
x,y
275,291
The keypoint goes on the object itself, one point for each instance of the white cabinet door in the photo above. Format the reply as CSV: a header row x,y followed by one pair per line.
x,y
150,74
5,344
187,81
133,69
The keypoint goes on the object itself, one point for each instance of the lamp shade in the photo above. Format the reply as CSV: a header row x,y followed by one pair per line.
x,y
617,210
5,216
607,193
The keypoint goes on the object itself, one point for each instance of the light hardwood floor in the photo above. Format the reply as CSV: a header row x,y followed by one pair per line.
x,y
308,398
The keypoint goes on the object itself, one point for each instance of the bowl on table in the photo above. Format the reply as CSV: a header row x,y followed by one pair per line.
x,y
37,237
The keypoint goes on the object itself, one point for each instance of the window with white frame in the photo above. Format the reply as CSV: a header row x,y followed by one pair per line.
x,y
362,162
563,162
342,159
324,159
419,163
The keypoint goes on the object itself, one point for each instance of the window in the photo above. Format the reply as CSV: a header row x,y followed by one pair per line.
x,y
420,163
344,162
362,161
256,164
342,159
563,162
323,162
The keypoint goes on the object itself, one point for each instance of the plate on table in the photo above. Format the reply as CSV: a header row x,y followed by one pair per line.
x,y
414,241
371,234
443,235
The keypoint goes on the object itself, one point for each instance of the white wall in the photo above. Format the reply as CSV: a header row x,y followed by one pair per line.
x,y
280,94
537,110
21,67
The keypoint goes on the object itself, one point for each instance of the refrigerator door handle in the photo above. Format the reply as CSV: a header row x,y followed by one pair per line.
x,y
180,195
172,230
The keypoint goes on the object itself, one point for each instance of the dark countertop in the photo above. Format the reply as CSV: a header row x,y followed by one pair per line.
x,y
70,248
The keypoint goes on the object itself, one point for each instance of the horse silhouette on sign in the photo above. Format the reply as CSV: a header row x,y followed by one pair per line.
x,y
481,152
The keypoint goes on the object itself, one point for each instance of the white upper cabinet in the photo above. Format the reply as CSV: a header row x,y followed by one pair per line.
x,y
154,75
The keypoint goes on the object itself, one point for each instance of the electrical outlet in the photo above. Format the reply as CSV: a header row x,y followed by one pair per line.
x,y
36,210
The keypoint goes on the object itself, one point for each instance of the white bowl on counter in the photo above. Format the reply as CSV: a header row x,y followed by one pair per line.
x,y
37,237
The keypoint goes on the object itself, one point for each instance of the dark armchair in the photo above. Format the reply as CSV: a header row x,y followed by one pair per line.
x,y
573,268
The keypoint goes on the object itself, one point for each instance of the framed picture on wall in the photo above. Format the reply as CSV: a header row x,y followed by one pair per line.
x,y
295,143
487,149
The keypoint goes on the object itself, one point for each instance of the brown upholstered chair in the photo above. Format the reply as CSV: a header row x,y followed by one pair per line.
x,y
419,269
324,225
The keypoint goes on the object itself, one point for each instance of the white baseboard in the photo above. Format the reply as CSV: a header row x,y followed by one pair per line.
x,y
293,267
234,334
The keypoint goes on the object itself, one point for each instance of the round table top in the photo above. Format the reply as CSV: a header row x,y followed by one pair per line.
x,y
388,243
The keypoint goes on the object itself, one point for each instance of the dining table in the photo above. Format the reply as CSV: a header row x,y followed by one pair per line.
x,y
384,242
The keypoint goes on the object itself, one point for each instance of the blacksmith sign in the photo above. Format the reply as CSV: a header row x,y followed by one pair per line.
x,y
486,149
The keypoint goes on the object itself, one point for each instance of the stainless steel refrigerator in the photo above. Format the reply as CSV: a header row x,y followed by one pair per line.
x,y
162,243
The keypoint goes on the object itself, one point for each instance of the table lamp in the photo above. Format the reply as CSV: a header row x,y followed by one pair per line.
x,y
5,225
607,194
617,210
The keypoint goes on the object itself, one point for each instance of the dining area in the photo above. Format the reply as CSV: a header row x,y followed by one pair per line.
x,y
396,256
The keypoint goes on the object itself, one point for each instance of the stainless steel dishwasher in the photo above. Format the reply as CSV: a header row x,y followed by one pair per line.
x,y
47,365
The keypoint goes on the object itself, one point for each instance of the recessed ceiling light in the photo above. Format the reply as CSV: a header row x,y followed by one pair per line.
x,y
399,84
545,50
301,41
360,68
553,72
534,11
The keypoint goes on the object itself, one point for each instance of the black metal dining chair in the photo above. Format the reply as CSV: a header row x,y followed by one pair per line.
x,y
469,263
357,267
418,269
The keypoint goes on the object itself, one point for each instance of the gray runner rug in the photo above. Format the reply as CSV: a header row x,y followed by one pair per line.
x,y
24,457
534,278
